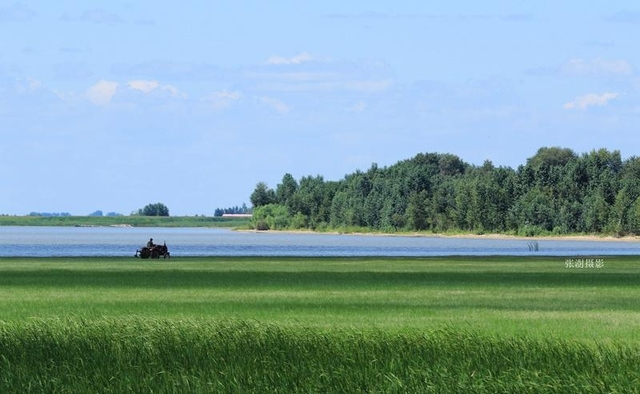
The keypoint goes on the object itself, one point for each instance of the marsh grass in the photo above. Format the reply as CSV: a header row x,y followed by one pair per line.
x,y
451,324
497,295
159,355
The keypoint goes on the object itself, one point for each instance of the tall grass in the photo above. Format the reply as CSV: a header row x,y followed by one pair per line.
x,y
126,355
260,324
536,296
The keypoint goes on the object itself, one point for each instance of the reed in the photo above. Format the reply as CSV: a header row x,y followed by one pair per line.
x,y
158,355
293,324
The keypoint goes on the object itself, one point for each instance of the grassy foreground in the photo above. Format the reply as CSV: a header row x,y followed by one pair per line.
x,y
134,355
451,324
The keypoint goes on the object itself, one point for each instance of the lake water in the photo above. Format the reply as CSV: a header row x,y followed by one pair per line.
x,y
123,241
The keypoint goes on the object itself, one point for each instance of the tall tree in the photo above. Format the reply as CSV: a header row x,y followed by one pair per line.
x,y
262,195
417,211
286,190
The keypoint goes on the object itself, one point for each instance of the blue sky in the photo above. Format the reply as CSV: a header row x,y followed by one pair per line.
x,y
113,105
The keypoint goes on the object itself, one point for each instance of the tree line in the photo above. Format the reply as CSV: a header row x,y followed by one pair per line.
x,y
556,192
232,210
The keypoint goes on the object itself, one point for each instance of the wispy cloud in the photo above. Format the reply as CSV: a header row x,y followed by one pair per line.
x,y
319,82
599,43
365,15
73,50
102,92
100,16
517,17
148,86
145,22
597,66
369,86
297,59
373,15
17,13
591,99
625,17
223,99
168,70
322,76
27,84
97,16
275,104
358,107
72,71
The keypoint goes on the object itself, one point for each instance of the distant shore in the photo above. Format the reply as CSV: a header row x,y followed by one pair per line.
x,y
242,224
605,238
548,237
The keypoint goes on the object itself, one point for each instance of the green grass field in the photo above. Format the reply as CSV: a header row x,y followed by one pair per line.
x,y
255,324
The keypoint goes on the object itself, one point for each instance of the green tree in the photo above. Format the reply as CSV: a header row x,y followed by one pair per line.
x,y
157,209
262,195
556,191
417,211
443,204
534,212
553,156
313,200
596,213
622,214
634,217
286,190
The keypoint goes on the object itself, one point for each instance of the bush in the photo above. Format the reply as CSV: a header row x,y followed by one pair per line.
x,y
273,216
261,225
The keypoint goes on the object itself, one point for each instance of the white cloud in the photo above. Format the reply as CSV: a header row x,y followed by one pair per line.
x,y
591,99
102,92
142,85
297,59
173,90
597,66
223,98
147,87
275,104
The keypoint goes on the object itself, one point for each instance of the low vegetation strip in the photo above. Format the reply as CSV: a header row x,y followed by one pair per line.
x,y
133,221
158,355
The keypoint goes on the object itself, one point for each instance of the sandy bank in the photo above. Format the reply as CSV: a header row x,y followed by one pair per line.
x,y
607,238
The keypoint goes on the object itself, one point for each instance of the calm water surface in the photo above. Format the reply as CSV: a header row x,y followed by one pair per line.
x,y
123,241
